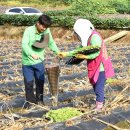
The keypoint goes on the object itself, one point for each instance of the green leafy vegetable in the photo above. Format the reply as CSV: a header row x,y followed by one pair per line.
x,y
87,50
63,114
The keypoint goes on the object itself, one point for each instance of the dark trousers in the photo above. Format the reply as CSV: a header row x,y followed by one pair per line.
x,y
33,73
99,87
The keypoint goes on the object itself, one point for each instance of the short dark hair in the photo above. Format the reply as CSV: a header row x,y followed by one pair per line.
x,y
45,20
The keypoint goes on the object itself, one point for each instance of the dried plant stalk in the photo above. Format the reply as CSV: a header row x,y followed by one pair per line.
x,y
111,125
120,94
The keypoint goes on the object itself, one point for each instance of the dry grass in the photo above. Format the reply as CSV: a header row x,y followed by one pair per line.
x,y
11,32
121,100
15,33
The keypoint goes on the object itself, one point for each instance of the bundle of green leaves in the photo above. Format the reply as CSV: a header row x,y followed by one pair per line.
x,y
82,50
86,50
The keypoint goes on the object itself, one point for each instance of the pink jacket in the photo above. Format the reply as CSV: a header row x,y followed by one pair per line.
x,y
94,64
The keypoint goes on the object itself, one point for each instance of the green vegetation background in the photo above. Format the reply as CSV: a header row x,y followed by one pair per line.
x,y
65,12
88,6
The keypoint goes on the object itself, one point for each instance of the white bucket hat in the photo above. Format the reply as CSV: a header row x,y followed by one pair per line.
x,y
84,29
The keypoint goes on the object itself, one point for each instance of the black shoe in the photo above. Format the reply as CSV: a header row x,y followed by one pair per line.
x,y
29,105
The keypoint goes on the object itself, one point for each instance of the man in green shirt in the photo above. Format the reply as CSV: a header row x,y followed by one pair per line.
x,y
35,39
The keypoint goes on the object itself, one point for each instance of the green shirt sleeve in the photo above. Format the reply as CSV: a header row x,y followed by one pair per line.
x,y
25,43
95,41
52,44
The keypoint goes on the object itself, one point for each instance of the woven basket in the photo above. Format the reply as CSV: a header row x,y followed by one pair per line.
x,y
53,78
53,71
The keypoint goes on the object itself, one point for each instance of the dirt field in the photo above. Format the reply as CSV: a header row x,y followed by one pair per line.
x,y
73,83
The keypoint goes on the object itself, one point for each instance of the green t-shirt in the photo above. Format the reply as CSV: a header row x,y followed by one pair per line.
x,y
29,38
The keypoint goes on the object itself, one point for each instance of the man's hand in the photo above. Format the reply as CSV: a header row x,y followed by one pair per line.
x,y
35,57
62,54
80,56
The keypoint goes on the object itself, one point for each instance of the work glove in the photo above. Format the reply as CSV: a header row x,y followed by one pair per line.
x,y
62,54
80,56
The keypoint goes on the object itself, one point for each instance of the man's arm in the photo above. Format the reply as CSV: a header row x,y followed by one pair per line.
x,y
52,44
25,43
